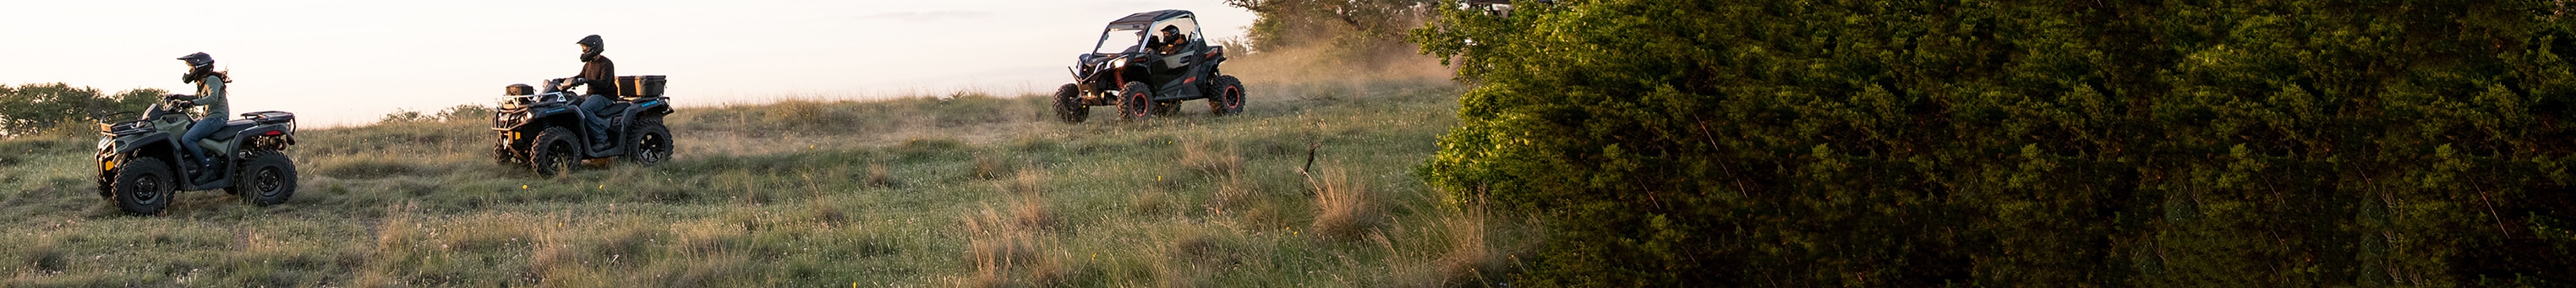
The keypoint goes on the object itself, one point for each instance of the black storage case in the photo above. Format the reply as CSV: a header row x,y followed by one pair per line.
x,y
640,86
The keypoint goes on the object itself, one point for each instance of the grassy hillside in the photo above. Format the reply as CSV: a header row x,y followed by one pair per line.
x,y
959,190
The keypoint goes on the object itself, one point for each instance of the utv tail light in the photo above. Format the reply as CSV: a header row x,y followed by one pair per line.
x,y
273,133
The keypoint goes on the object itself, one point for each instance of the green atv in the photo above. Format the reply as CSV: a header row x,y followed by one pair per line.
x,y
141,164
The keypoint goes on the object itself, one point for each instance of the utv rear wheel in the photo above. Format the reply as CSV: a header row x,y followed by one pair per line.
x,y
268,179
1228,97
1135,101
555,153
143,186
1068,104
652,142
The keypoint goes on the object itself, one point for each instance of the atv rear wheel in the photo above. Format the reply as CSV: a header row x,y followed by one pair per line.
x,y
1228,98
652,142
1068,104
143,186
268,179
555,152
1135,101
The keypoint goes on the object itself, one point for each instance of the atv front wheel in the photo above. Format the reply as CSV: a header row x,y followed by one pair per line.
x,y
1068,104
1228,98
143,186
269,179
1135,101
652,142
555,152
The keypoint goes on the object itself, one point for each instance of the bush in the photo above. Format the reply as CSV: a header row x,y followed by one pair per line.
x,y
1797,143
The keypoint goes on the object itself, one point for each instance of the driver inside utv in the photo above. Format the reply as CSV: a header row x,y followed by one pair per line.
x,y
1168,41
601,76
210,101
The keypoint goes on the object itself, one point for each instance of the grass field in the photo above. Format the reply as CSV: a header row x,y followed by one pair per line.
x,y
950,190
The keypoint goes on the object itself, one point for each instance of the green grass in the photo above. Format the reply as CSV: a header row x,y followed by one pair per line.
x,y
974,190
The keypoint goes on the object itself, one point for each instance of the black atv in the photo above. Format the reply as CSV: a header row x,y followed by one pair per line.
x,y
141,165
1146,75
546,130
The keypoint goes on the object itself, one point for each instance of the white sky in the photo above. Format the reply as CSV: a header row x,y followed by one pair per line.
x,y
349,62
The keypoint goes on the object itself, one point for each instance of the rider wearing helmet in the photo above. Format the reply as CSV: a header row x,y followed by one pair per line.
x,y
1169,40
210,99
601,76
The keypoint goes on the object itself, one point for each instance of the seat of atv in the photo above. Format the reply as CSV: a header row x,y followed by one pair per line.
x,y
230,128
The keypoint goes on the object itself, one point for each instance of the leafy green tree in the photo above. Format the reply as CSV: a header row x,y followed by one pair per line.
x,y
1853,143
1355,32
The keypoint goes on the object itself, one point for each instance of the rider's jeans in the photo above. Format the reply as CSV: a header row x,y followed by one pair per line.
x,y
598,123
203,128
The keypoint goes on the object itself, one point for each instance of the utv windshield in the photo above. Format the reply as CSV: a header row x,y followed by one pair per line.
x,y
1119,41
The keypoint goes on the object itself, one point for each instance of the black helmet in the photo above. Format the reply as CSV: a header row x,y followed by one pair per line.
x,y
590,47
199,60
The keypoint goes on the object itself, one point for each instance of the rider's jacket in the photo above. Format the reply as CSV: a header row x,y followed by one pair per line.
x,y
602,76
210,98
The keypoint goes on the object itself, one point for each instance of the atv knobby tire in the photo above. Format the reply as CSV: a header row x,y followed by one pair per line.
x,y
1135,101
1228,97
267,179
143,186
556,151
1068,104
652,142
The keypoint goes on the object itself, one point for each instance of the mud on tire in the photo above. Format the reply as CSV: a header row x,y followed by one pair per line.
x,y
1068,104
1226,97
1135,101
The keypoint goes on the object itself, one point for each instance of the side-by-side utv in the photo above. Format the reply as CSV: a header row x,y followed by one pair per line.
x,y
141,164
545,130
1147,63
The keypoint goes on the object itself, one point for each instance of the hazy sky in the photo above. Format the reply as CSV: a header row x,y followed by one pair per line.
x,y
348,62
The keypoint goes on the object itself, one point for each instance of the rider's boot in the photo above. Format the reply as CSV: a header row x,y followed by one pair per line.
x,y
206,170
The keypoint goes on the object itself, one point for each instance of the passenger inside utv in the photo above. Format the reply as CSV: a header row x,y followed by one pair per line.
x,y
600,75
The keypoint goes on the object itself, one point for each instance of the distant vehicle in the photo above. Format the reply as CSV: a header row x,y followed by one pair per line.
x,y
1146,73
542,130
140,168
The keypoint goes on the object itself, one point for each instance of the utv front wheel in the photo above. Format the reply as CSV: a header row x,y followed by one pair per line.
x,y
555,152
1228,98
268,180
653,142
1068,104
143,186
1135,101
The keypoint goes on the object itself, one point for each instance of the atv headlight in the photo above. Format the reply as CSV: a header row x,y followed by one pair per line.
x,y
1120,62
103,143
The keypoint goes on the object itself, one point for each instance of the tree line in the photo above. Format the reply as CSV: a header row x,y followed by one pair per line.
x,y
31,109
